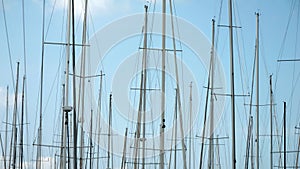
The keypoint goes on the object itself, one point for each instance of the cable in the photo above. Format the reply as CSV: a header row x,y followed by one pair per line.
x,y
8,46
283,42
51,16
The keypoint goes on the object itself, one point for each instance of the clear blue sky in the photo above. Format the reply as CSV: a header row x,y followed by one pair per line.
x,y
279,39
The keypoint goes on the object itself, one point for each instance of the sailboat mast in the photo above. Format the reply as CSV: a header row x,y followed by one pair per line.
x,y
3,153
218,153
65,122
175,130
91,140
232,84
99,117
6,125
284,135
252,151
22,124
15,149
271,124
62,148
249,140
178,89
74,88
191,131
124,150
109,131
39,139
211,140
144,85
205,118
15,119
163,85
257,90
82,82
142,103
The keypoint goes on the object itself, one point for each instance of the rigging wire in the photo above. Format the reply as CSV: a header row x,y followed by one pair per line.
x,y
242,64
150,34
292,7
24,37
8,46
50,20
102,68
263,56
242,76
281,50
39,140
294,83
180,47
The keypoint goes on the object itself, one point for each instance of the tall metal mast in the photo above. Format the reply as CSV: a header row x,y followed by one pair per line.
x,y
39,151
211,87
91,140
257,90
99,117
175,130
82,83
15,119
191,131
3,152
252,151
205,118
271,124
284,135
163,85
142,102
109,132
249,139
74,88
124,150
232,84
62,148
178,90
66,107
218,153
6,125
144,85
22,123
